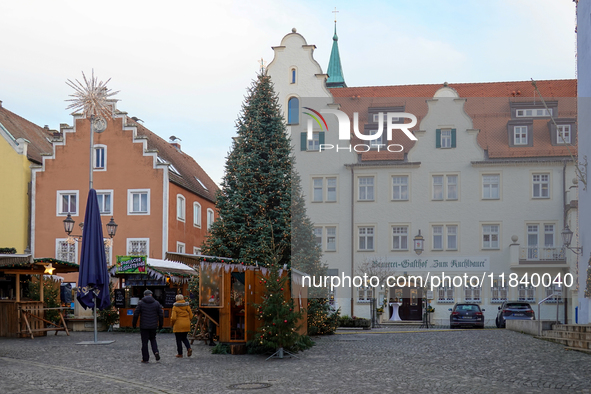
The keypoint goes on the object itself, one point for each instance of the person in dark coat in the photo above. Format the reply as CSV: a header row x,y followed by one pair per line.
x,y
151,318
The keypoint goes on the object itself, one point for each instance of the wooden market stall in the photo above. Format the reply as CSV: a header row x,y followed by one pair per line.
x,y
229,289
21,316
136,274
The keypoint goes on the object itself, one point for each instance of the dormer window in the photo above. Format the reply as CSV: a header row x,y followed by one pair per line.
x,y
563,134
531,113
520,135
376,118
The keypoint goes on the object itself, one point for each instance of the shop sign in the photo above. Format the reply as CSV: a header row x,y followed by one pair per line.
x,y
131,264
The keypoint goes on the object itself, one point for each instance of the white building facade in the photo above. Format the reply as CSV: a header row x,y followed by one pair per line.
x,y
487,184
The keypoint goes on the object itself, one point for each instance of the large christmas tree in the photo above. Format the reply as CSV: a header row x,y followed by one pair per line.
x,y
255,199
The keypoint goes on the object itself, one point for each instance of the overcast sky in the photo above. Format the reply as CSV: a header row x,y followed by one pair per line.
x,y
183,66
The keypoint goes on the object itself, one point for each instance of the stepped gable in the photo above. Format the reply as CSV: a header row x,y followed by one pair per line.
x,y
19,127
186,166
488,104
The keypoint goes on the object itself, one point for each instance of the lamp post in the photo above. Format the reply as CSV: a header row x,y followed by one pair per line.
x,y
567,237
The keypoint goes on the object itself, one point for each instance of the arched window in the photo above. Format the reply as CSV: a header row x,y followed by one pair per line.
x,y
293,111
210,218
293,75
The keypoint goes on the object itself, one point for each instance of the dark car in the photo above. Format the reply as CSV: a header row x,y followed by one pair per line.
x,y
514,310
466,315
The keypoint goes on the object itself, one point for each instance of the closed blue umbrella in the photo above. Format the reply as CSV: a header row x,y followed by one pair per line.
x,y
93,278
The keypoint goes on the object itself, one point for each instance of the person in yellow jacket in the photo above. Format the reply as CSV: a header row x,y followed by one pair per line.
x,y
181,324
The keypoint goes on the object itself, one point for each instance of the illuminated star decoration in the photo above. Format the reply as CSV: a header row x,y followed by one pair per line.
x,y
91,97
49,269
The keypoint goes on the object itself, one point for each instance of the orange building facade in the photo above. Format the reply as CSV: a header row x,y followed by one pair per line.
x,y
159,196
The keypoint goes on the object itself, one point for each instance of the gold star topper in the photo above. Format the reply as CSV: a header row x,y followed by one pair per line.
x,y
91,97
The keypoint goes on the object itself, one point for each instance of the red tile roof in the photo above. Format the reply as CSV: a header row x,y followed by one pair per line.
x,y
487,104
189,171
19,127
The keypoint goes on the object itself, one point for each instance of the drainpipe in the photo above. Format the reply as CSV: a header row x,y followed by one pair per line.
x,y
352,237
564,288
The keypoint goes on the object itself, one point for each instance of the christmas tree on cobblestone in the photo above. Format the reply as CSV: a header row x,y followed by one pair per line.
x,y
255,199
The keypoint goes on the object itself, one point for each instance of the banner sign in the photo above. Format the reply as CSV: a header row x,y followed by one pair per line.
x,y
131,264
434,264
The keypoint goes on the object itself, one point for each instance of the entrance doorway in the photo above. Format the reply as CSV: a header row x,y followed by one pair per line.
x,y
412,302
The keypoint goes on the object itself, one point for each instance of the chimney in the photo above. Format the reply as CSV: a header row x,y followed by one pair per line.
x,y
176,145
0,103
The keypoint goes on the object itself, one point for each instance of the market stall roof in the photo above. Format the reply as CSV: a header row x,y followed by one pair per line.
x,y
170,267
25,264
10,259
160,268
193,259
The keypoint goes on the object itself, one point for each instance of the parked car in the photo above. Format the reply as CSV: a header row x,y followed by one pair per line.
x,y
514,310
466,315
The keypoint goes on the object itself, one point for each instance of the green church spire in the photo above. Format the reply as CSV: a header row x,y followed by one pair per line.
x,y
335,71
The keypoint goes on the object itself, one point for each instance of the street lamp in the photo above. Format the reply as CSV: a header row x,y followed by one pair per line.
x,y
69,226
112,228
419,243
567,237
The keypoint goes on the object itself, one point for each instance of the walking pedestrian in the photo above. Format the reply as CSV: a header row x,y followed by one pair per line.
x,y
181,324
149,311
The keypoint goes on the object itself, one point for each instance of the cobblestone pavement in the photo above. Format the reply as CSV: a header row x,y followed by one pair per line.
x,y
386,360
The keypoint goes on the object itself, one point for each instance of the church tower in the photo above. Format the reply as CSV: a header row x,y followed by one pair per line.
x,y
335,71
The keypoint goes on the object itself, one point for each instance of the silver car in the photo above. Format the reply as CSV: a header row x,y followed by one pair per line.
x,y
514,310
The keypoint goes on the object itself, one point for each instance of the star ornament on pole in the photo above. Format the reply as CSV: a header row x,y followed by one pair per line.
x,y
91,97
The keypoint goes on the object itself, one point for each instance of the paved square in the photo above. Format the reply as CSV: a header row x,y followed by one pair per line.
x,y
377,361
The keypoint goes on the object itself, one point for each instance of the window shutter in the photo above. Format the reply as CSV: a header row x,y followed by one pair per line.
x,y
304,141
438,138
453,138
321,137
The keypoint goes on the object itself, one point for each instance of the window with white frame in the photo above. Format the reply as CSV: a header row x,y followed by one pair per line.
x,y
452,187
366,235
180,208
491,186
100,157
377,142
490,236
196,250
527,293
67,202
331,189
445,187
437,187
318,236
498,292
555,289
317,194
324,189
210,218
446,138
541,185
452,236
365,294
138,202
400,187
66,251
531,113
105,201
399,237
437,237
445,294
138,246
563,134
314,143
180,247
520,135
366,188
331,239
196,214
472,294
